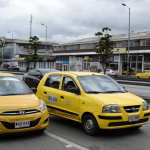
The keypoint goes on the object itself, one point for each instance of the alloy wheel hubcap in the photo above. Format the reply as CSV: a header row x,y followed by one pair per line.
x,y
89,125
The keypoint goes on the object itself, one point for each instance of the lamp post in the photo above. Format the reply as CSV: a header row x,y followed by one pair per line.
x,y
46,40
128,39
12,47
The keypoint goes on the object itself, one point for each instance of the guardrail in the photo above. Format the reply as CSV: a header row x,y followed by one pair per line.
x,y
139,83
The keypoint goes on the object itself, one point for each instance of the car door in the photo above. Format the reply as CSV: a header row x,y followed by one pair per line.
x,y
68,102
107,71
29,80
50,93
146,74
38,77
143,74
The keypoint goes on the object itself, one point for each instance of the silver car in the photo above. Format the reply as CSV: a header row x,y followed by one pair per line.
x,y
110,72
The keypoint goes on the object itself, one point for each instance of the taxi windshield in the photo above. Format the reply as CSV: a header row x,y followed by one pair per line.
x,y
12,86
99,84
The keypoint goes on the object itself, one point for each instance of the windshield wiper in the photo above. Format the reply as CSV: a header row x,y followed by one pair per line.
x,y
93,92
114,92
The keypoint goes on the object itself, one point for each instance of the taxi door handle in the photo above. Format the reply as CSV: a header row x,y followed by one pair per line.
x,y
61,97
45,92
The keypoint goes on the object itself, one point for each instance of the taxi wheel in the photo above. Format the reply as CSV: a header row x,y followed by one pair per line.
x,y
90,125
138,77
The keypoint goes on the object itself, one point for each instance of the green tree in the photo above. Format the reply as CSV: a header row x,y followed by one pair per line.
x,y
34,46
105,47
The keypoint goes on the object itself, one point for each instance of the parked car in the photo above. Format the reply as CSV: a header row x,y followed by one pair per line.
x,y
124,71
15,67
95,100
20,109
110,72
145,74
34,76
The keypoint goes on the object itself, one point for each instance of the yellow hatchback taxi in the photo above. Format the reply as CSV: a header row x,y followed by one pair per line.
x,y
93,99
20,109
144,74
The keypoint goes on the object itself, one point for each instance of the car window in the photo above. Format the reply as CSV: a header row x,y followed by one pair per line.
x,y
147,72
67,83
37,73
31,72
107,70
48,71
99,83
53,81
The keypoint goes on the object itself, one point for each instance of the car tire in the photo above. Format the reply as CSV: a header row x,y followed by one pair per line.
x,y
138,77
90,125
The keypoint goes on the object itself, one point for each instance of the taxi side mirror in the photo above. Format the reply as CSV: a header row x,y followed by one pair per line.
x,y
74,90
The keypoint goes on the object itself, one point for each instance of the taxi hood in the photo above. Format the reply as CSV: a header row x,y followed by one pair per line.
x,y
121,99
18,101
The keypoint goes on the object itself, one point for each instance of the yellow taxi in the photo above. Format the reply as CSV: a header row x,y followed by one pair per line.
x,y
20,109
124,71
93,99
144,74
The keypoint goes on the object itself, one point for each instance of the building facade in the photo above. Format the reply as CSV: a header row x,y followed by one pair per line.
x,y
16,51
80,55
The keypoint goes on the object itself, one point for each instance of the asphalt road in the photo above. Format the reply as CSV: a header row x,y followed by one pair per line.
x,y
63,134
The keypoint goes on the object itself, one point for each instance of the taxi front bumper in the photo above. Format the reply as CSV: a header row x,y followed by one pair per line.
x,y
121,120
38,121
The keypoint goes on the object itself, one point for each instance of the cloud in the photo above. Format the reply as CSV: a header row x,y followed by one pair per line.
x,y
68,20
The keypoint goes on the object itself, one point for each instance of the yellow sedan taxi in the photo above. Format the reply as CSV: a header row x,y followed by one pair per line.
x,y
20,109
144,74
93,99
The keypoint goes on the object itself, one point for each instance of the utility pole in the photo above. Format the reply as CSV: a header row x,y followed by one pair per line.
x,y
12,48
45,43
30,33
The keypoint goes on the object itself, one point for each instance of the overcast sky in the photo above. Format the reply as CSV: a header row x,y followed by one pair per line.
x,y
68,20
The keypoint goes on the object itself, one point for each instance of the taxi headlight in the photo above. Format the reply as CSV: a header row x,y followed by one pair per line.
x,y
111,109
145,106
42,105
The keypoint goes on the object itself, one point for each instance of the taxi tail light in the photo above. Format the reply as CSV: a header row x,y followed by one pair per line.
x,y
112,72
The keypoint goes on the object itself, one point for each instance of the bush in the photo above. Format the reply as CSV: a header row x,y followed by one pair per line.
x,y
99,70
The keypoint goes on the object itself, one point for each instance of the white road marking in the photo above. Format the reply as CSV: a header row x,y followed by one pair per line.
x,y
65,141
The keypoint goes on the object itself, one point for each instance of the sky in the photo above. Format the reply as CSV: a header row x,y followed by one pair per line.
x,y
69,20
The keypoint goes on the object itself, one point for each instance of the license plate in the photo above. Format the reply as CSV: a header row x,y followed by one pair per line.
x,y
133,118
21,124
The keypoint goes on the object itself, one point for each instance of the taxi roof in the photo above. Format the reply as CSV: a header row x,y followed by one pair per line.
x,y
6,74
80,73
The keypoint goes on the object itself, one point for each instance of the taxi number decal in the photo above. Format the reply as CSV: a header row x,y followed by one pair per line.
x,y
52,98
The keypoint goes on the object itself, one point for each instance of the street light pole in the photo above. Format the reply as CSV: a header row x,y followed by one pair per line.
x,y
128,40
12,47
46,40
